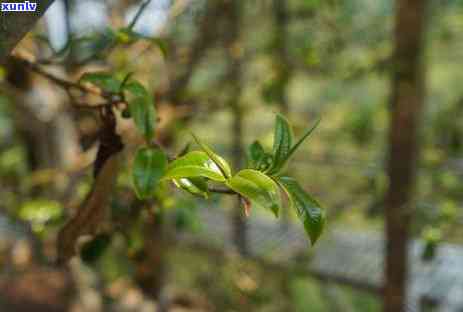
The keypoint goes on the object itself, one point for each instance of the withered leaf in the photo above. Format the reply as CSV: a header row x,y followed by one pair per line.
x,y
94,210
92,213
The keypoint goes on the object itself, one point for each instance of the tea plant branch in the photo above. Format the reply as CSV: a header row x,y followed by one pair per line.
x,y
223,191
259,183
65,84
138,14
69,86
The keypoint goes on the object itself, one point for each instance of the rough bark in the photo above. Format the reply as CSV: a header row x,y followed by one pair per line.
x,y
406,109
15,25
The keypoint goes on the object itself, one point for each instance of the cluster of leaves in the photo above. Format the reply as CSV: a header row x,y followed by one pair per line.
x,y
140,101
259,184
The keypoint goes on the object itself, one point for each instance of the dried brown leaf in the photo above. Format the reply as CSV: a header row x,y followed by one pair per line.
x,y
93,211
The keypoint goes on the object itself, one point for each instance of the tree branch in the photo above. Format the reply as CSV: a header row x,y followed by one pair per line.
x,y
69,86
222,191
138,14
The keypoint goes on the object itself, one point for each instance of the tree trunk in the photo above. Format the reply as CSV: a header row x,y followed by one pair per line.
x,y
15,25
234,53
406,108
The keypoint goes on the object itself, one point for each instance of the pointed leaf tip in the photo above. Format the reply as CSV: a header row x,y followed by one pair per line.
x,y
282,144
221,163
194,165
309,211
304,137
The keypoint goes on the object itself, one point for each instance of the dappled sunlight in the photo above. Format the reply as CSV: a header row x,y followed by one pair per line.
x,y
202,155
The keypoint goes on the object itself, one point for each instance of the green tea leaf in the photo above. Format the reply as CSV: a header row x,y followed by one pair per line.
x,y
308,209
125,36
301,140
106,81
282,143
144,115
195,186
255,154
219,161
194,164
149,166
266,162
194,158
258,188
194,171
141,108
135,88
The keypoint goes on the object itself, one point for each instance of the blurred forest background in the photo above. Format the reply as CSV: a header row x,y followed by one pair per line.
x,y
223,69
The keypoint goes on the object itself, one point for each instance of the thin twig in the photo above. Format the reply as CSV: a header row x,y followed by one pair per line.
x,y
67,85
138,15
222,191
